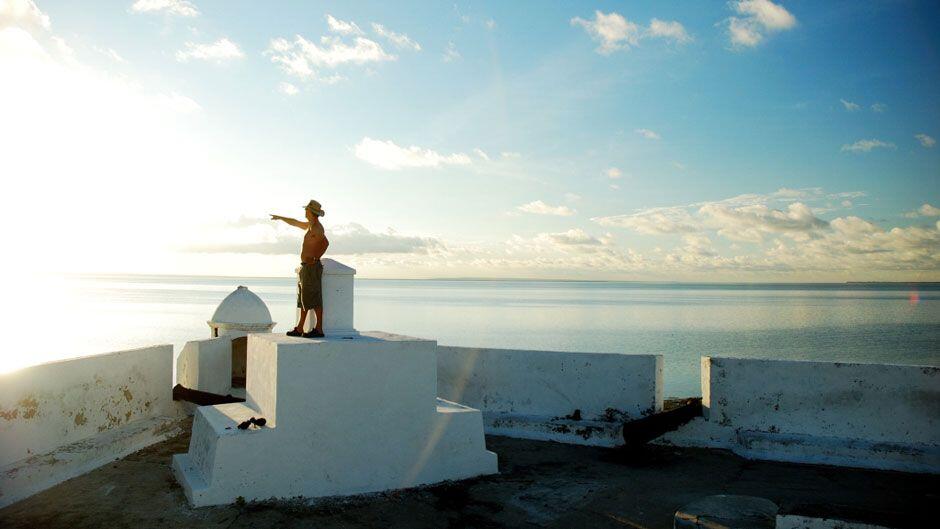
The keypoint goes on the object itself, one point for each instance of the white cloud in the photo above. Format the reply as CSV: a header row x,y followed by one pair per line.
x,y
490,24
758,18
181,8
482,154
400,40
654,221
23,14
615,32
925,210
510,154
866,146
450,53
572,237
612,31
925,140
302,58
387,155
668,30
111,54
879,107
849,106
341,27
613,173
541,208
648,134
287,89
345,239
750,223
218,52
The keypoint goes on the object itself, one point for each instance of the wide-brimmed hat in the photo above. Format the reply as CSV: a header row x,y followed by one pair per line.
x,y
315,206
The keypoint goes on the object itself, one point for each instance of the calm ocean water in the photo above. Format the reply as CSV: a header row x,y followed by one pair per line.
x,y
865,323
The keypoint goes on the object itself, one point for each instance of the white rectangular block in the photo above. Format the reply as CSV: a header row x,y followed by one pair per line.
x,y
344,416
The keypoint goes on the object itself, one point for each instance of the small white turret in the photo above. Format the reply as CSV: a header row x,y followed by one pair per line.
x,y
241,311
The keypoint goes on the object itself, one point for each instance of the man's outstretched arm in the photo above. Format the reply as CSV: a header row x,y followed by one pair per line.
x,y
293,222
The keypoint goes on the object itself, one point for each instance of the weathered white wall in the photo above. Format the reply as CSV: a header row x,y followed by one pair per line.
x,y
52,414
206,365
344,416
529,393
867,415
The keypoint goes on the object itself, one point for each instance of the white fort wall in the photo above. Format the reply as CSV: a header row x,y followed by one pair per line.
x,y
580,398
62,419
866,415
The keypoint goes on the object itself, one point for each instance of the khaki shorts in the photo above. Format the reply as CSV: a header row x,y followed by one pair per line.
x,y
309,289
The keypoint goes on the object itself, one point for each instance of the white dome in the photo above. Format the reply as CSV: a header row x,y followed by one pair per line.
x,y
242,307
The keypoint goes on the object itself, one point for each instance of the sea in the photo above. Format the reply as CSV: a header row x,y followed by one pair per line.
x,y
854,322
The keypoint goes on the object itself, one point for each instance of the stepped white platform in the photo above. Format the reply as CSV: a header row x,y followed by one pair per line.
x,y
344,416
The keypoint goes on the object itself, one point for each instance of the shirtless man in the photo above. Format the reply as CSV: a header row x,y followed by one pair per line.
x,y
309,292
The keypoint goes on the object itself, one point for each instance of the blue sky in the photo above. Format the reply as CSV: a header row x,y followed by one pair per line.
x,y
738,141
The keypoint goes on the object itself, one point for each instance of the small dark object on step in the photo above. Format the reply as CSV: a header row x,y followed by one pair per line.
x,y
244,425
259,422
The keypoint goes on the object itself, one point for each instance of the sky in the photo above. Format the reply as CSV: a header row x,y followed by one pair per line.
x,y
685,141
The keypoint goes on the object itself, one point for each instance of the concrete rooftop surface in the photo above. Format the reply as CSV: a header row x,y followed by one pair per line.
x,y
540,484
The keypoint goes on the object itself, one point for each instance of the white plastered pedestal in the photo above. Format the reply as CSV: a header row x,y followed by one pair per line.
x,y
344,416
337,284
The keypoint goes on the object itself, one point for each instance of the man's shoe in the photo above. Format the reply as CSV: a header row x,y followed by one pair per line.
x,y
314,334
295,332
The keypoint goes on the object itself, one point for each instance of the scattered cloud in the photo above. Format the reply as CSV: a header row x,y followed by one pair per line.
x,y
482,154
925,140
668,30
392,157
287,89
879,107
450,53
345,239
400,40
541,208
849,106
615,32
341,27
752,223
306,60
490,24
182,8
572,237
612,31
867,146
510,154
23,14
648,134
220,51
757,19
613,173
925,210
111,54
653,221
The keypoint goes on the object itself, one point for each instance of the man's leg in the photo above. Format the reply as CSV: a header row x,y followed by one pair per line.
x,y
303,319
318,311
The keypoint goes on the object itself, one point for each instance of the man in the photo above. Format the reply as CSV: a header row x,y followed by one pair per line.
x,y
309,292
